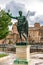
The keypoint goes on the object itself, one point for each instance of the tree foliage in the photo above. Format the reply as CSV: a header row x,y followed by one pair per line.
x,y
5,21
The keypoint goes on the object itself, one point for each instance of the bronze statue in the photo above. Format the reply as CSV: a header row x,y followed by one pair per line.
x,y
22,25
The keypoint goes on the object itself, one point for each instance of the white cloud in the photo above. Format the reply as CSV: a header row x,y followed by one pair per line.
x,y
38,19
4,1
15,8
32,5
37,6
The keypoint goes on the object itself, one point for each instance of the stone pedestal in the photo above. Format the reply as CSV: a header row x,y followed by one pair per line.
x,y
22,55
23,52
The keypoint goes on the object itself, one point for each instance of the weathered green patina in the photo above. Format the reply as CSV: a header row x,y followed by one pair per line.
x,y
18,61
22,25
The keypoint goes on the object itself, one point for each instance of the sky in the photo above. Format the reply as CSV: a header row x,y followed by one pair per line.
x,y
31,5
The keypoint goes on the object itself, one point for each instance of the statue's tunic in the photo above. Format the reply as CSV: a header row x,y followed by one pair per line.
x,y
20,24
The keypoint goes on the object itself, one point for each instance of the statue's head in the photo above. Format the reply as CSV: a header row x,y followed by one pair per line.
x,y
20,13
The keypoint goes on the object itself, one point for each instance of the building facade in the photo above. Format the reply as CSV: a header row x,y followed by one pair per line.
x,y
35,34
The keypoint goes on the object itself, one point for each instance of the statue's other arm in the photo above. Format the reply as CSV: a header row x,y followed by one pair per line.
x,y
11,16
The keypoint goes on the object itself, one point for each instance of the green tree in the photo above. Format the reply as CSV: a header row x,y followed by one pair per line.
x,y
5,21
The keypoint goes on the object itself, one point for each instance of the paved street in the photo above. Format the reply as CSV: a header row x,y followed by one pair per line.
x,y
8,61
36,59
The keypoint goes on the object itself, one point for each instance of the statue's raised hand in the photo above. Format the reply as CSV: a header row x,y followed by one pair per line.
x,y
9,11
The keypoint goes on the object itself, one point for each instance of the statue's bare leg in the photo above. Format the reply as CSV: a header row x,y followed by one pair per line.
x,y
21,37
25,36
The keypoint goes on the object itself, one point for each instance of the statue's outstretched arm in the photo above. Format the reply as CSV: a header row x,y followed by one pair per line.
x,y
11,16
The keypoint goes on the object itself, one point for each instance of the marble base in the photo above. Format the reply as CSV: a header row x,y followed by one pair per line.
x,y
21,62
